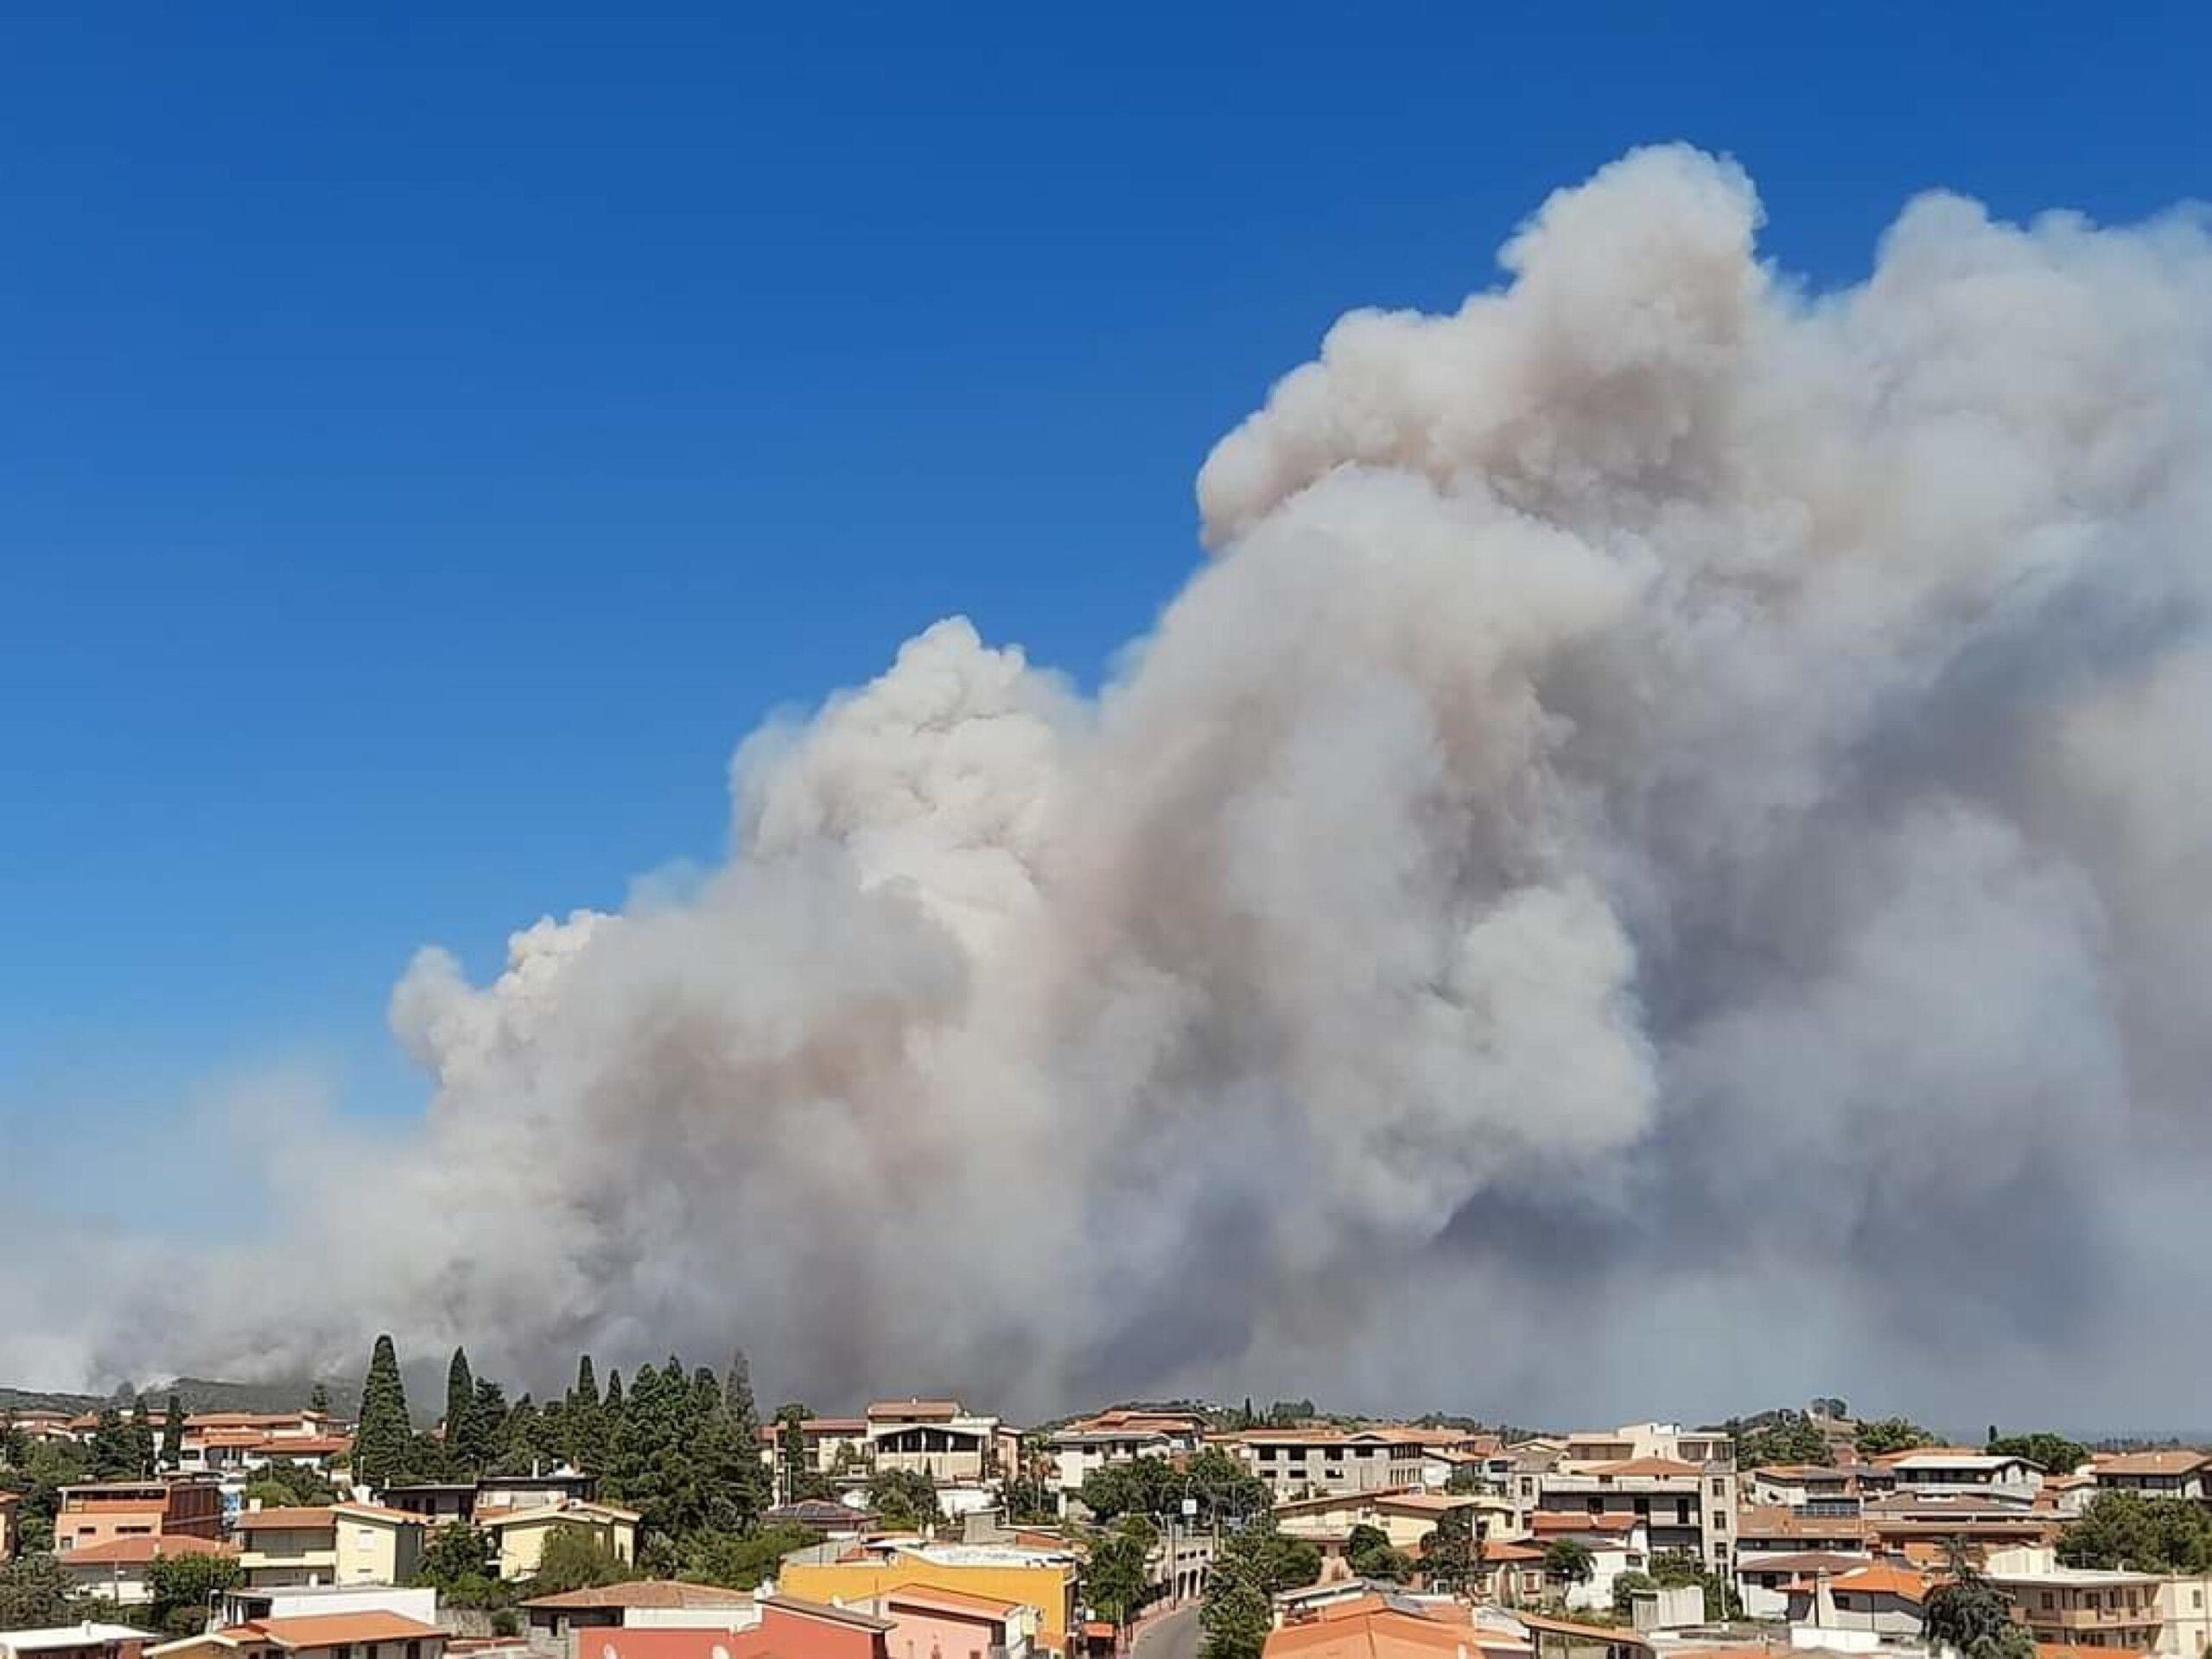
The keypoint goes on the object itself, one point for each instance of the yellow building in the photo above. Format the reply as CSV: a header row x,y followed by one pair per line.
x,y
1044,1580
520,1534
377,1545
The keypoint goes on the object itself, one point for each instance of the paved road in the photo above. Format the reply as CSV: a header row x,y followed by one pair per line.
x,y
1171,1636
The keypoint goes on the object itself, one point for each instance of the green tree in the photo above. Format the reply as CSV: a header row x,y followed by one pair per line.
x,y
1625,1587
35,1592
171,1454
319,1399
1569,1561
1790,1438
115,1454
1449,1556
2053,1453
1115,1577
383,1443
1251,1565
181,1589
461,1404
903,1498
455,1554
574,1558
1884,1435
283,1484
742,1560
2144,1534
1974,1617
1370,1553
42,1469
1227,1493
485,1427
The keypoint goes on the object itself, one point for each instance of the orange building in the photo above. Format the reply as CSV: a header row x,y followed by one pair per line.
x,y
102,1512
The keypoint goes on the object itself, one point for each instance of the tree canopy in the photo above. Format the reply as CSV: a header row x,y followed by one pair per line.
x,y
2053,1453
2147,1535
1881,1436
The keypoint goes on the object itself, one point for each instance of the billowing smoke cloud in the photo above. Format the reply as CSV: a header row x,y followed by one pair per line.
x,y
1665,860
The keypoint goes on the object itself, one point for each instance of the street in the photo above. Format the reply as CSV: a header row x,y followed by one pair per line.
x,y
1171,1636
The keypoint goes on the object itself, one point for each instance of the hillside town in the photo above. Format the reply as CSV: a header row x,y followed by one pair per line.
x,y
666,1517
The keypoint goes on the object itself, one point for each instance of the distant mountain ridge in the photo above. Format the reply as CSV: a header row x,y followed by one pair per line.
x,y
198,1394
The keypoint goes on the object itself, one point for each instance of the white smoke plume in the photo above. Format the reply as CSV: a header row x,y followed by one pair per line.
x,y
1665,859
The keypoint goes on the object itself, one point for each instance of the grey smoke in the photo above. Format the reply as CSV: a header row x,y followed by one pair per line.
x,y
1664,862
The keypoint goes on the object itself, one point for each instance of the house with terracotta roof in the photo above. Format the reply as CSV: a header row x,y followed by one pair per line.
x,y
861,1571
1618,1543
1394,1627
1764,1581
938,1438
928,1623
1682,1506
789,1627
1879,1599
98,1512
328,1635
644,1604
2177,1472
118,1569
1667,1442
1807,1487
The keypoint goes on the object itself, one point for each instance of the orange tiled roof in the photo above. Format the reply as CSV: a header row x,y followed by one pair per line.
x,y
137,1552
1544,1520
1880,1579
331,1630
285,1520
2174,1461
1644,1466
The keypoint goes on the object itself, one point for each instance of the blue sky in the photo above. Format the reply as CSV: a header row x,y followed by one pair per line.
x,y
430,438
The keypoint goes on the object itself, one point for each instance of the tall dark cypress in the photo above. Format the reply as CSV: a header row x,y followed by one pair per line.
x,y
381,1444
586,1393
461,1404
173,1434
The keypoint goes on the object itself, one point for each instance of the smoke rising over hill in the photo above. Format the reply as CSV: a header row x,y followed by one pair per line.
x,y
1665,854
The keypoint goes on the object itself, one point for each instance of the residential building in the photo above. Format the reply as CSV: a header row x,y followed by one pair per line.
x,y
1082,1449
1980,1474
1511,1573
85,1641
2180,1473
932,1624
1804,1488
100,1512
519,1536
324,1636
1879,1599
2085,1607
647,1603
789,1627
938,1438
826,1444
1404,1517
825,1515
1763,1582
1393,1626
1683,1506
534,1491
1618,1543
1667,1442
118,1569
1043,1578
244,1606
342,1544
440,1502
1924,1528
1317,1462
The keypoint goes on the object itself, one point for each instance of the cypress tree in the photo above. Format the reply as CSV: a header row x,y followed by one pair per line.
x,y
487,1422
461,1400
586,1393
319,1399
381,1443
173,1434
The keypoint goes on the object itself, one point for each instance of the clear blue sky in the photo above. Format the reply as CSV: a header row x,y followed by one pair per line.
x,y
430,437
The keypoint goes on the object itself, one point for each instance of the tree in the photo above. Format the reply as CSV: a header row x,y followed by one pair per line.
x,y
1027,1498
171,1454
383,1444
319,1399
2053,1453
1465,1479
461,1402
1791,1438
2144,1535
903,1498
1371,1555
574,1558
1449,1558
283,1484
181,1589
1227,1493
742,1561
1972,1616
115,1454
34,1592
452,1555
1115,1576
1625,1586
1569,1561
1251,1567
1884,1435
42,1469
